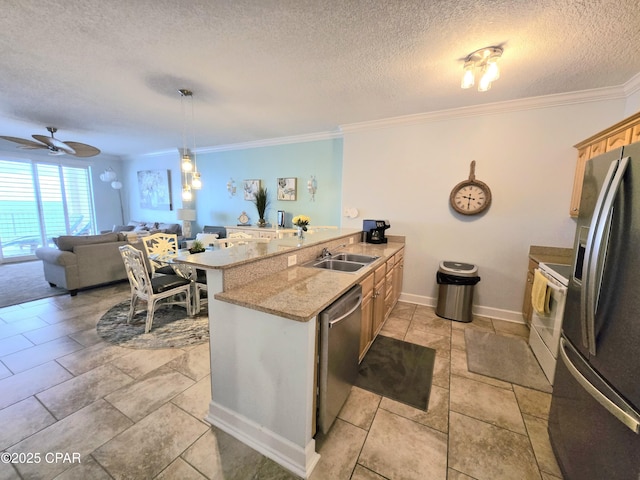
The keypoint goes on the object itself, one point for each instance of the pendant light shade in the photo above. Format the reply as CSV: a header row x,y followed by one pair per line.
x,y
191,179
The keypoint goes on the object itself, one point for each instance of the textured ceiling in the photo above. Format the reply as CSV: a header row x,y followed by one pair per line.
x,y
106,72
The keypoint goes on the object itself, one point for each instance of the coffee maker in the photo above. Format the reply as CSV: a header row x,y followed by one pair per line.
x,y
373,230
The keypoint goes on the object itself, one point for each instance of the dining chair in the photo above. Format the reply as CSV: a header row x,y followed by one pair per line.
x,y
207,239
152,289
200,288
159,247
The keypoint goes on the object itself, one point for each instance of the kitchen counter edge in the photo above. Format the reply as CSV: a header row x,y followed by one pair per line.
x,y
300,292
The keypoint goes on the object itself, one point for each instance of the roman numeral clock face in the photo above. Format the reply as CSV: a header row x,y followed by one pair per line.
x,y
470,197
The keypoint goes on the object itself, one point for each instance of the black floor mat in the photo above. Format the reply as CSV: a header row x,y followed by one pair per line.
x,y
398,370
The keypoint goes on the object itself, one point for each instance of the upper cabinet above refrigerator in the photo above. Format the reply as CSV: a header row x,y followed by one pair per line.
x,y
618,135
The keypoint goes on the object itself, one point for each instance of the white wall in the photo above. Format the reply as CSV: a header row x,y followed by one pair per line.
x,y
405,173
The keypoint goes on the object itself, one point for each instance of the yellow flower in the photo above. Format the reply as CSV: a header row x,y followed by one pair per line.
x,y
301,221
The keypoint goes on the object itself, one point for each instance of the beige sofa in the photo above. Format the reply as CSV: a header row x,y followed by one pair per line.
x,y
84,261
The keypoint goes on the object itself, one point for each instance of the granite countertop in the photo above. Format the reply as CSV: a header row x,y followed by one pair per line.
x,y
542,254
221,258
300,293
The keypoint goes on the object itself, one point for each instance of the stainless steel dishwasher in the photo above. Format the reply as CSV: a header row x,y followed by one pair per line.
x,y
338,355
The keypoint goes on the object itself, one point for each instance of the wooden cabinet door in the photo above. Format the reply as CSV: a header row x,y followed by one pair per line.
x,y
379,294
388,294
397,279
366,309
583,155
619,139
635,134
598,148
366,325
398,273
527,308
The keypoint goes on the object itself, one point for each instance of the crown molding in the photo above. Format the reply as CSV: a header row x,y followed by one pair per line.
x,y
632,86
545,101
270,142
583,96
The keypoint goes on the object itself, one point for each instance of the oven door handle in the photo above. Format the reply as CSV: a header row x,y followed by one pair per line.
x,y
557,288
550,283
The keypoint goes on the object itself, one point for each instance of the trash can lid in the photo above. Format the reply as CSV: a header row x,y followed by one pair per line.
x,y
459,269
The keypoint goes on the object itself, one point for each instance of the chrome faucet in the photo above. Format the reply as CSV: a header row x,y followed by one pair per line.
x,y
326,253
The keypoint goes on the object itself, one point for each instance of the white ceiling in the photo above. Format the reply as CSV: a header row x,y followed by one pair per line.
x,y
106,72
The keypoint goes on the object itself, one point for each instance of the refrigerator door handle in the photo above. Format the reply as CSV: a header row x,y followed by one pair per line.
x,y
595,250
623,412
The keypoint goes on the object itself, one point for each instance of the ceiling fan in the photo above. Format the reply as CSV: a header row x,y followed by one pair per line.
x,y
55,146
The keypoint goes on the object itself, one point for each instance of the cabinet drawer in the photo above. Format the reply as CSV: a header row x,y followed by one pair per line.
x,y
367,285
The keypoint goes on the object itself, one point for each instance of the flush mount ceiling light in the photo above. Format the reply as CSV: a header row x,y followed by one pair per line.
x,y
485,62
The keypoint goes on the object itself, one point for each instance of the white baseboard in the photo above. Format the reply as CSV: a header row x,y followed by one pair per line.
x,y
497,313
294,458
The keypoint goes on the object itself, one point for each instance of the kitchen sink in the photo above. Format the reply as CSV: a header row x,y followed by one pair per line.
x,y
339,265
354,257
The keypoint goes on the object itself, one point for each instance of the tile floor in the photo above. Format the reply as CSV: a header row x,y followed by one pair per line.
x,y
138,414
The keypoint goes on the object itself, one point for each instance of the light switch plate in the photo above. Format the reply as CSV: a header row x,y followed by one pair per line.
x,y
291,260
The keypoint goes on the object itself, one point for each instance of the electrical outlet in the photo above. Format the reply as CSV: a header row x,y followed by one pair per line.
x,y
291,260
350,240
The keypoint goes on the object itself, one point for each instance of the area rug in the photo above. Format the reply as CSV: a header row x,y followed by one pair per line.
x,y
505,358
398,370
24,282
172,328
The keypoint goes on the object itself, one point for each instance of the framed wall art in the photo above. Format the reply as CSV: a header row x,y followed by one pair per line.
x,y
155,189
250,189
287,188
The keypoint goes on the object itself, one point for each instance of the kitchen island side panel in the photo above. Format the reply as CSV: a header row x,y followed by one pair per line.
x,y
262,382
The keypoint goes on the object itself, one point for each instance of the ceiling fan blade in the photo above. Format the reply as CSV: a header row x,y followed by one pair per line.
x,y
55,143
82,149
27,144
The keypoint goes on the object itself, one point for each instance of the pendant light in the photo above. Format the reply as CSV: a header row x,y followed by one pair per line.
x,y
191,179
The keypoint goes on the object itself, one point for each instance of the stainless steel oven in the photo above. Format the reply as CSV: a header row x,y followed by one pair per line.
x,y
546,327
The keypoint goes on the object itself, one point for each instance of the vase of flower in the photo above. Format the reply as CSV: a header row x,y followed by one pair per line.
x,y
301,222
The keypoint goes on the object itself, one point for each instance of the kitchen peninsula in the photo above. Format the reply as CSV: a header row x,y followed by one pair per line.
x,y
263,308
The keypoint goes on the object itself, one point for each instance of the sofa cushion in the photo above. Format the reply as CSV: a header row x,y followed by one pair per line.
x,y
122,228
56,256
173,228
67,242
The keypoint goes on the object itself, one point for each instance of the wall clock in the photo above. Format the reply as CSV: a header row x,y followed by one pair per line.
x,y
471,196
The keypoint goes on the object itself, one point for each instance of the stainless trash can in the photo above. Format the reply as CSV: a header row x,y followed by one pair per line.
x,y
456,282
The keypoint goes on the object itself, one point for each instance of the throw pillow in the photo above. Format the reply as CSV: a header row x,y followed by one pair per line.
x,y
122,228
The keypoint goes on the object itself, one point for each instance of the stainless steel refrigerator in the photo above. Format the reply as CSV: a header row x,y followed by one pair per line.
x,y
594,422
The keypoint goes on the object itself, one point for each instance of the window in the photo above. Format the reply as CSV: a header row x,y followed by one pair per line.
x,y
39,201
